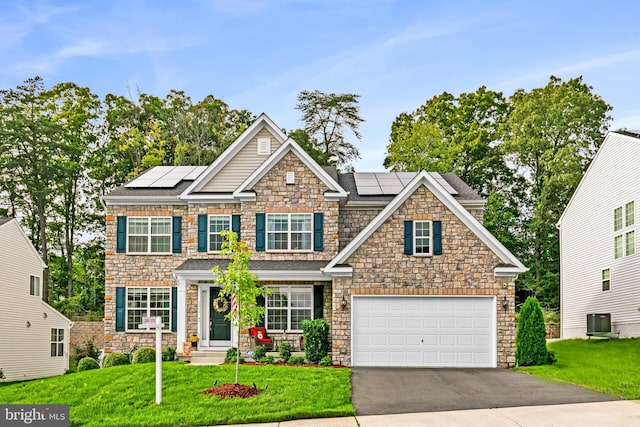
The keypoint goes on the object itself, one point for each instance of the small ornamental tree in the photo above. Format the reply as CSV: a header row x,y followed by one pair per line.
x,y
238,284
531,343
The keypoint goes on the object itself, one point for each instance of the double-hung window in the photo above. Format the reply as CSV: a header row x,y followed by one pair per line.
x,y
34,285
623,224
217,223
57,342
290,232
606,279
149,235
422,237
148,302
287,306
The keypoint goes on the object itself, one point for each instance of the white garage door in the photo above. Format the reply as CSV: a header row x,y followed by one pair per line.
x,y
423,331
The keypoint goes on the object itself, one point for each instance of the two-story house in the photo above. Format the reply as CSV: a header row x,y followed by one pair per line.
x,y
398,264
599,263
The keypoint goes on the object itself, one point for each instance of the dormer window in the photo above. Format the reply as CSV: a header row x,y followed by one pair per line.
x,y
264,146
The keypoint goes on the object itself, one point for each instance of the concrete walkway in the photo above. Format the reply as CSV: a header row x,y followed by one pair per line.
x,y
620,413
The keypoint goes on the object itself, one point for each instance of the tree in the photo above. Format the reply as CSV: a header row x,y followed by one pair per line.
x,y
238,282
531,343
550,137
327,116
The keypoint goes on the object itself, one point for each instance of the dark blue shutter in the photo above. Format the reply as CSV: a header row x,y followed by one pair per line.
x,y
437,237
260,303
174,309
177,235
121,234
235,225
318,301
318,232
121,301
202,233
408,237
260,232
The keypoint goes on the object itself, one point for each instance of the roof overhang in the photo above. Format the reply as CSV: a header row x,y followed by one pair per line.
x,y
141,200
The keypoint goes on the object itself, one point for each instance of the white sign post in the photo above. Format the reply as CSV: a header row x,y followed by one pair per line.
x,y
156,323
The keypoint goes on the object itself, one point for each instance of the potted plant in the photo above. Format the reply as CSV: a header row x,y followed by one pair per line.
x,y
193,339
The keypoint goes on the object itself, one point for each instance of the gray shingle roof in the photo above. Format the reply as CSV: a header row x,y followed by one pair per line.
x,y
255,265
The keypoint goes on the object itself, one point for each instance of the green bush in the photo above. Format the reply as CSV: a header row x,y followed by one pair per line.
x,y
326,361
144,355
85,348
316,339
267,359
285,351
87,363
115,359
232,354
169,354
531,343
296,360
259,352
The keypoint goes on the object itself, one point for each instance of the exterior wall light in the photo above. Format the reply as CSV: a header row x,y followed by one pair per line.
x,y
343,302
505,302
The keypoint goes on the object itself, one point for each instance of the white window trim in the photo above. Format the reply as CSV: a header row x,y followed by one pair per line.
x,y
288,308
289,232
170,235
57,343
624,231
602,279
264,146
415,238
34,285
209,233
166,327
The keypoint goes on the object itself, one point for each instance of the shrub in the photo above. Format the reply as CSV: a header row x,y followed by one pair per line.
x,y
85,348
169,354
87,363
232,354
267,359
316,339
115,359
326,361
296,360
531,343
144,355
285,351
259,352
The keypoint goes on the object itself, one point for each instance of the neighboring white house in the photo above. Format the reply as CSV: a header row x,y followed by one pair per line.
x,y
34,338
599,260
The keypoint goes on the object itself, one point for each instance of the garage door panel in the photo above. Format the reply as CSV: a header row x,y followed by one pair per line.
x,y
424,331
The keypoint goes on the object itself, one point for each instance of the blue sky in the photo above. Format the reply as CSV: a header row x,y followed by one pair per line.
x,y
258,54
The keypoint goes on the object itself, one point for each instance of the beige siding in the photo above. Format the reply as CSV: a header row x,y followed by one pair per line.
x,y
587,243
241,165
25,352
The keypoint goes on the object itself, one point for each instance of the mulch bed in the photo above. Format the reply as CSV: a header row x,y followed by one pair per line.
x,y
233,390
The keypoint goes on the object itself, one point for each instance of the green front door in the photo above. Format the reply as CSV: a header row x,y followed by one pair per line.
x,y
219,327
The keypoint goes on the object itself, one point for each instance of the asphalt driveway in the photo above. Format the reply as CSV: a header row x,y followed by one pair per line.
x,y
379,391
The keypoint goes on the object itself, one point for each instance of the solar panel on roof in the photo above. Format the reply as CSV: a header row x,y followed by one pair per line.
x,y
165,176
391,183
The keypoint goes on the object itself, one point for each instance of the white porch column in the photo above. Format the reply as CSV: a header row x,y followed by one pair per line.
x,y
182,313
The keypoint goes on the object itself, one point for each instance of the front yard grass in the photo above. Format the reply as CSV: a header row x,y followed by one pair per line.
x,y
125,395
607,366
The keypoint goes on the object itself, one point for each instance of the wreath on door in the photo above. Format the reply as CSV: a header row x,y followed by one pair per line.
x,y
220,304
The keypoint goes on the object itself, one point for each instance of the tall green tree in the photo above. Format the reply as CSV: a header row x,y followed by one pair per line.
x,y
239,282
327,118
550,138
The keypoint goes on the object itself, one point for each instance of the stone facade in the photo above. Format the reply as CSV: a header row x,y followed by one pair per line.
x,y
465,268
84,331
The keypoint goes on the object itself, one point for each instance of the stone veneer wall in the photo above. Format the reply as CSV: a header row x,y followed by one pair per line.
x,y
83,331
352,222
465,268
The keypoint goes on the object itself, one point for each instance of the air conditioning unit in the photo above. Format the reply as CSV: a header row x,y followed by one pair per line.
x,y
598,324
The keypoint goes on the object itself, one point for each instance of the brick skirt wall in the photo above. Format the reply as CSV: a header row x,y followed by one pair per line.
x,y
82,331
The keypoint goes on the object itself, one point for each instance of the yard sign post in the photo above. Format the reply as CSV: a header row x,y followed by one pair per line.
x,y
156,323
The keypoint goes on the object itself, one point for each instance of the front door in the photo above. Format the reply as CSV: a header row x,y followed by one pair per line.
x,y
219,327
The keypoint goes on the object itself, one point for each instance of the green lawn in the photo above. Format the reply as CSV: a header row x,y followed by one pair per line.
x,y
607,366
125,395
